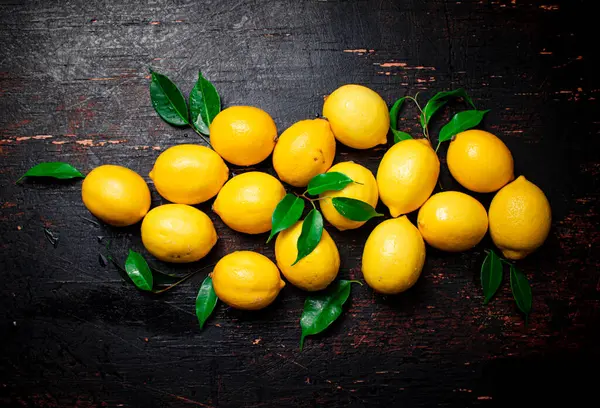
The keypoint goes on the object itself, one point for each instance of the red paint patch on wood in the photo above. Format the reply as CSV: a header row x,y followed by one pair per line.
x,y
86,142
392,64
360,51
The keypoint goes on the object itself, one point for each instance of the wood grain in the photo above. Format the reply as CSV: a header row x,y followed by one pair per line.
x,y
74,87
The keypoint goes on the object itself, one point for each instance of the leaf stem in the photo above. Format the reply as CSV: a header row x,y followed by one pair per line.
x,y
171,286
312,199
201,135
425,128
438,146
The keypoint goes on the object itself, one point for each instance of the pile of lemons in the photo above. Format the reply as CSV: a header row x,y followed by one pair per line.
x,y
518,218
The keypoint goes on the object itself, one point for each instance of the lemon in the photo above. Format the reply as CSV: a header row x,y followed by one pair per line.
x,y
304,150
243,135
480,161
116,195
178,233
393,256
520,218
358,116
247,201
364,189
452,221
189,174
246,280
407,175
313,272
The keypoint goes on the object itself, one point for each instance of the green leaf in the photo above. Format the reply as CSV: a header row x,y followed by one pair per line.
x,y
168,101
332,181
520,289
400,135
312,229
322,309
439,100
460,122
394,111
57,170
491,275
288,211
138,271
354,209
205,104
205,301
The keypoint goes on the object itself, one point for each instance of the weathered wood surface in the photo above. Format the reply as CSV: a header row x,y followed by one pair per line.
x,y
74,87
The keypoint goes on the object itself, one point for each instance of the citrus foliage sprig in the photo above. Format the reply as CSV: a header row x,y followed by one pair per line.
x,y
171,106
460,122
290,209
144,277
491,277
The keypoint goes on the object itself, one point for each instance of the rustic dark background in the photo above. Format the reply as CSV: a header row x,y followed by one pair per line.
x,y
74,87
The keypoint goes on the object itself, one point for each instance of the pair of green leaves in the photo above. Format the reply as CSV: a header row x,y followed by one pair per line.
x,y
170,104
322,309
491,278
57,170
460,122
144,278
289,210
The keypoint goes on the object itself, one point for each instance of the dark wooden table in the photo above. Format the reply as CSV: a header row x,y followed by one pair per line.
x,y
74,87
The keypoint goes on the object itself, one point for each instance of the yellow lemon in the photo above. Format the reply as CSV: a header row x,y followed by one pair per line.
x,y
243,135
358,116
393,256
313,272
364,189
480,161
407,175
246,280
189,174
452,221
178,233
247,201
520,218
116,195
304,150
